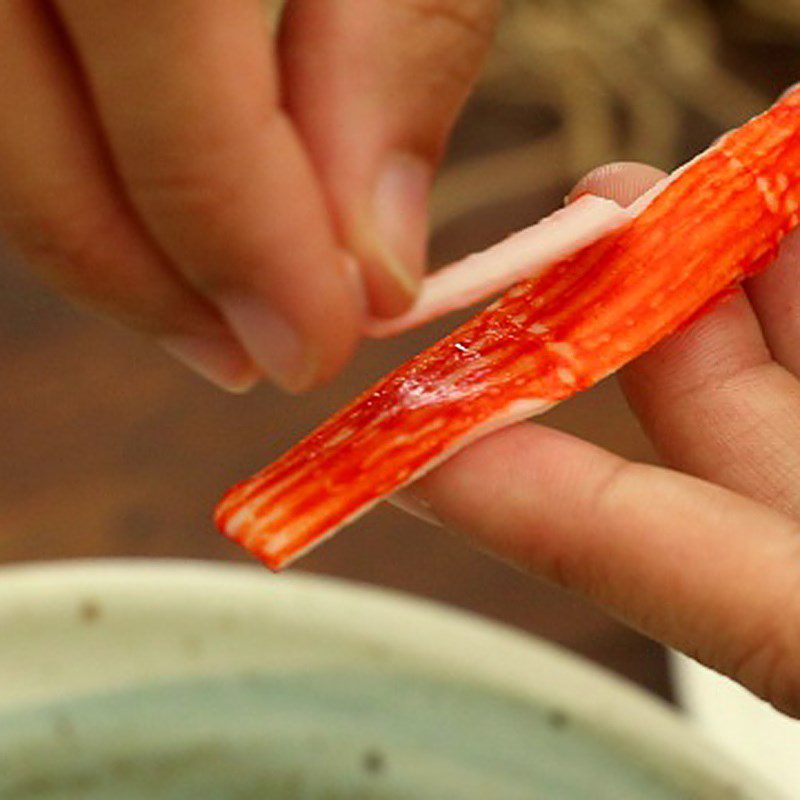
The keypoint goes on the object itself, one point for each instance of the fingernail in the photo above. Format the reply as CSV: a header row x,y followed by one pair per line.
x,y
412,503
222,362
354,276
272,342
400,214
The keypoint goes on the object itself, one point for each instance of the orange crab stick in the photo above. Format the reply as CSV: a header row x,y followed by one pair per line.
x,y
595,306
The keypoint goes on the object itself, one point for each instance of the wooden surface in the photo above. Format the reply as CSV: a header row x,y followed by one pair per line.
x,y
112,450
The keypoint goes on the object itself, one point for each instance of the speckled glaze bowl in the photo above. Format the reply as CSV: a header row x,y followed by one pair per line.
x,y
166,680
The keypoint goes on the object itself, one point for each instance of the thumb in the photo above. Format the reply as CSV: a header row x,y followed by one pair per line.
x,y
374,89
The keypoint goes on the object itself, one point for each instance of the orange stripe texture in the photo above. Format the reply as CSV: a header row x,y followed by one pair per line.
x,y
717,222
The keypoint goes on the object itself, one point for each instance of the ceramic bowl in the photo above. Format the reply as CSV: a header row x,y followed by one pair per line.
x,y
748,729
167,680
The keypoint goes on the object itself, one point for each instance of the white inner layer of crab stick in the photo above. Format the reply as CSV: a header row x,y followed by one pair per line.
x,y
524,254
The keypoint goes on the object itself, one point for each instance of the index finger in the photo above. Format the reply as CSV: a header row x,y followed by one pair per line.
x,y
187,95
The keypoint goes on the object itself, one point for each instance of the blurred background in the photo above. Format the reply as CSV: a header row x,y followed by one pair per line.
x,y
111,449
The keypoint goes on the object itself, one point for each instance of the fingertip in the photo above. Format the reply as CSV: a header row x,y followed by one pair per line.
x,y
621,181
390,288
303,338
390,237
354,278
284,353
337,327
395,77
220,361
331,360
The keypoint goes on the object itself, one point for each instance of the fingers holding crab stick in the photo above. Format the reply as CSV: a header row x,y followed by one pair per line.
x,y
693,565
667,553
622,182
690,240
523,255
374,88
711,397
717,405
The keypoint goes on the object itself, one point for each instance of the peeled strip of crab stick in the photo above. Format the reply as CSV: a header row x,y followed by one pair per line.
x,y
714,223
524,254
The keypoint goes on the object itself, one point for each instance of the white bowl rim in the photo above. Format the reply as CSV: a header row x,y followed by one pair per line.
x,y
428,635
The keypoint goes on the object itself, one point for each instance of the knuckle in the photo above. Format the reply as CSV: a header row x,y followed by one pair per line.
x,y
605,498
558,567
72,245
771,669
202,171
462,31
563,565
84,252
446,43
475,18
190,188
784,693
769,664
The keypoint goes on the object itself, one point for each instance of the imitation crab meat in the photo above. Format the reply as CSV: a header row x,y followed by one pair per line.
x,y
595,285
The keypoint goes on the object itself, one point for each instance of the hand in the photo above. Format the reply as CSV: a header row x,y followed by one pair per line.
x,y
168,164
707,564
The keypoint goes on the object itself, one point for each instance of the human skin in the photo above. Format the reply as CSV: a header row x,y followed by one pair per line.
x,y
703,555
243,199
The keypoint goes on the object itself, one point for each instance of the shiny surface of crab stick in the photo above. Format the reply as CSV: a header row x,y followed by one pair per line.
x,y
714,223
